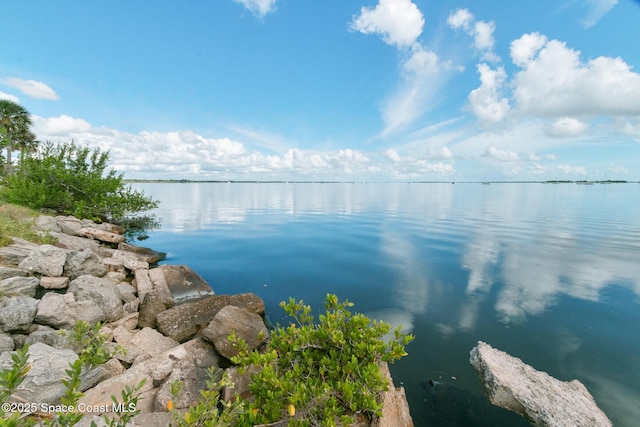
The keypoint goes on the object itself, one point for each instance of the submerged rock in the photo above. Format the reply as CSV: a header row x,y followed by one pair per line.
x,y
545,401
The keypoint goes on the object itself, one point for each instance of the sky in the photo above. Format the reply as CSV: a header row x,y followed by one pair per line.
x,y
345,90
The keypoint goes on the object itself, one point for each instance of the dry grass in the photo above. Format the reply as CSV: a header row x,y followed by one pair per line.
x,y
18,221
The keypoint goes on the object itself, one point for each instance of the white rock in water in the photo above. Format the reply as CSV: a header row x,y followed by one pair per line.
x,y
543,400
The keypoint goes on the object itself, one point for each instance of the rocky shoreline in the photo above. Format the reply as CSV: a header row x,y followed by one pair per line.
x,y
162,323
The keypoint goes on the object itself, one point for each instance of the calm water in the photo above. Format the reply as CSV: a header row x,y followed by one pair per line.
x,y
548,273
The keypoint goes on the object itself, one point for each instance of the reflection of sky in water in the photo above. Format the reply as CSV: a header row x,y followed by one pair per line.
x,y
526,265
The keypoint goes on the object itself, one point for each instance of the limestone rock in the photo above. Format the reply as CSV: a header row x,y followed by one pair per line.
x,y
158,367
143,254
16,252
184,321
102,235
102,291
54,282
161,287
19,285
6,343
7,272
395,410
192,370
17,313
75,243
143,283
47,223
62,311
127,292
185,284
46,259
52,338
43,382
151,342
543,400
149,309
85,262
69,225
246,325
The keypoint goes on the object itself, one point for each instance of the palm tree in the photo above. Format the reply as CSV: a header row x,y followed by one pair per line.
x,y
14,129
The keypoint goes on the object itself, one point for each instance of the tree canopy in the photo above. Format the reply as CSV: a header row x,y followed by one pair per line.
x,y
15,130
69,178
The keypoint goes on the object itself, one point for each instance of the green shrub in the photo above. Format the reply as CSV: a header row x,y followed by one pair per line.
x,y
322,374
72,179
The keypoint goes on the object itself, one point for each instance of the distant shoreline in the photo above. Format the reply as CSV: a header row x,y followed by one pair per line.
x,y
232,181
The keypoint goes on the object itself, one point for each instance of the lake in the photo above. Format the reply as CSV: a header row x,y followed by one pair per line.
x,y
549,273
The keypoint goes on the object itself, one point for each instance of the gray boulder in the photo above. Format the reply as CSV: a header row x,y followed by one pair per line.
x,y
6,343
19,285
192,370
62,311
17,313
47,223
184,283
43,382
54,282
6,272
101,291
52,338
543,400
149,309
246,325
151,342
85,262
75,243
183,321
142,253
16,252
46,259
102,235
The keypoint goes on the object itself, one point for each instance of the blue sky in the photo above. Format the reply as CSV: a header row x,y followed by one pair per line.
x,y
334,90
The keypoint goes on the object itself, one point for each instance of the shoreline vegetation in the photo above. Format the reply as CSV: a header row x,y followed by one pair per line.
x,y
158,342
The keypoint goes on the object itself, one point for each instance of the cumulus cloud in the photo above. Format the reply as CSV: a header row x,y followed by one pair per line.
x,y
566,127
59,126
186,154
9,97
481,31
501,155
440,153
553,81
398,22
31,88
596,9
258,7
486,101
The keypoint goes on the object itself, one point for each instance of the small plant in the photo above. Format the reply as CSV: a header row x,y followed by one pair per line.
x,y
70,399
126,409
210,411
10,380
89,343
322,374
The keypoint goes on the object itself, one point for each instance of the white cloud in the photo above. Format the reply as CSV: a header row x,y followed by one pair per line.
x,y
58,126
566,127
486,101
554,82
31,88
9,97
258,7
398,22
501,155
481,31
422,71
596,10
525,48
572,170
440,153
460,19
